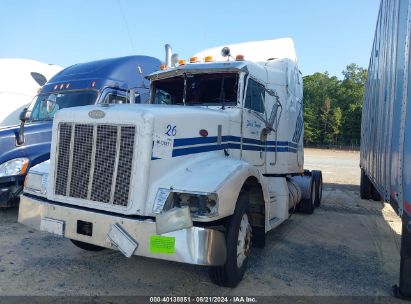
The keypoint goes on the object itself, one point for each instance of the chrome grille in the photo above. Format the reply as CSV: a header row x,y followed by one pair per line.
x,y
94,162
63,159
81,160
104,164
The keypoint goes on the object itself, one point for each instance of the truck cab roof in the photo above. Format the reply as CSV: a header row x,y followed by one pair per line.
x,y
122,72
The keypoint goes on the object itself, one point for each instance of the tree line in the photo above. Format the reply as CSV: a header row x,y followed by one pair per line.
x,y
332,107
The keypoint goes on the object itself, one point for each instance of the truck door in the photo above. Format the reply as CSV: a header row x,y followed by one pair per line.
x,y
253,149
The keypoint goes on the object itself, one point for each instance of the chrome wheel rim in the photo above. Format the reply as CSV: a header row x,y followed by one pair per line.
x,y
244,240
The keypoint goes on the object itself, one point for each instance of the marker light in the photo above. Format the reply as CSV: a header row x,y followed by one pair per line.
x,y
163,67
61,86
182,62
239,58
93,84
67,86
56,87
194,59
203,133
208,58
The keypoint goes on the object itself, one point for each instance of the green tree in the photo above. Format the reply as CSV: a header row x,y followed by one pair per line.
x,y
353,88
333,107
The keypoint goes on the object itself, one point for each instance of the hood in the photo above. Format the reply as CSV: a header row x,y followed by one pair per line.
x,y
163,137
36,146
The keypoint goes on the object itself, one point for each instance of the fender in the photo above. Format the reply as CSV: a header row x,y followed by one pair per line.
x,y
205,174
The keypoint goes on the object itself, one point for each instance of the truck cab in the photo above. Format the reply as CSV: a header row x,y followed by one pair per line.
x,y
197,175
105,81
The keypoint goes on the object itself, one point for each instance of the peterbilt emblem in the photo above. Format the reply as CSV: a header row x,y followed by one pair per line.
x,y
96,114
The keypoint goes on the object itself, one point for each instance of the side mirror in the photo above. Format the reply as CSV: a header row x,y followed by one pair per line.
x,y
276,111
25,115
272,121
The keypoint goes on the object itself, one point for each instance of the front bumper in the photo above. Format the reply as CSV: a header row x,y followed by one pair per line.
x,y
10,189
196,245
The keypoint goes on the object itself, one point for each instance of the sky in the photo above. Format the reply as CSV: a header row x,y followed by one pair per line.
x,y
328,34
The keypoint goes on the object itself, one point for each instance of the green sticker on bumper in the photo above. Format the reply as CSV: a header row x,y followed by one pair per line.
x,y
162,244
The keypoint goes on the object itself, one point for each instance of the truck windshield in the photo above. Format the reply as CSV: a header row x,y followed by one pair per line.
x,y
46,105
197,89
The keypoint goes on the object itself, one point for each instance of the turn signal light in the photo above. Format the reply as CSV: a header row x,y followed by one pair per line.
x,y
208,58
181,62
193,59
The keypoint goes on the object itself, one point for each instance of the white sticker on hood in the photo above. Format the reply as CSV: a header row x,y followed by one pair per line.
x,y
162,146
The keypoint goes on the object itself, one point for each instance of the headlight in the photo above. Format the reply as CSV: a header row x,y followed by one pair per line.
x,y
202,205
17,166
36,182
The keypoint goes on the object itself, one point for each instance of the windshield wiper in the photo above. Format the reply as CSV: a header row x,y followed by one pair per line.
x,y
185,89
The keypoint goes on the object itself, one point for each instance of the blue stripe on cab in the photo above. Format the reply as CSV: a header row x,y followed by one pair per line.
x,y
178,142
228,142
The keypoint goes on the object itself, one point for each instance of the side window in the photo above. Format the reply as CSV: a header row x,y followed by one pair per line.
x,y
254,98
118,99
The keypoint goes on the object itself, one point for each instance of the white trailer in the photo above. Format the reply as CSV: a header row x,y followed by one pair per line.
x,y
20,80
199,175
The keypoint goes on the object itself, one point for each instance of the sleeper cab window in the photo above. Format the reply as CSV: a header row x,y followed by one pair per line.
x,y
254,97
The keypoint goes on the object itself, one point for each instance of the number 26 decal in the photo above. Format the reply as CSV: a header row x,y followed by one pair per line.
x,y
171,130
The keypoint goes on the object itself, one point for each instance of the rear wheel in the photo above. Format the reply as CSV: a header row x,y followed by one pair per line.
x,y
318,179
307,204
238,243
365,186
375,195
87,246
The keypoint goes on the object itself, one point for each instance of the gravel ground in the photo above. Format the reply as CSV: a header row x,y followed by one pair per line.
x,y
347,247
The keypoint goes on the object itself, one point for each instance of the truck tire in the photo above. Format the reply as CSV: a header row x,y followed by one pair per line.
x,y
87,246
375,195
238,243
318,179
365,186
307,204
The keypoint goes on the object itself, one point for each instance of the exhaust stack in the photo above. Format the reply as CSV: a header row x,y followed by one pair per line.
x,y
168,55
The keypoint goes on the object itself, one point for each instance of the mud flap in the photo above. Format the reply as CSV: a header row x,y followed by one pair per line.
x,y
403,291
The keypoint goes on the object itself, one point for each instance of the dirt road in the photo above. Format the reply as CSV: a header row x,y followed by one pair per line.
x,y
347,247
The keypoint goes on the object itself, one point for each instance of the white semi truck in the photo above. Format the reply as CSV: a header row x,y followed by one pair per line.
x,y
199,175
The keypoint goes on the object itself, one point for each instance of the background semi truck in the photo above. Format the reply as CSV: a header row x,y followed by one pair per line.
x,y
386,124
198,175
103,81
20,80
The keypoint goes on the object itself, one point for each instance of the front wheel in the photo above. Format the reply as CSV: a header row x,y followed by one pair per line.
x,y
238,243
